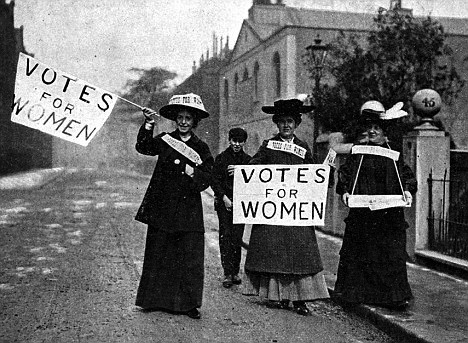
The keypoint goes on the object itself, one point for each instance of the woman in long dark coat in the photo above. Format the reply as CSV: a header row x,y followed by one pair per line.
x,y
283,263
372,267
173,267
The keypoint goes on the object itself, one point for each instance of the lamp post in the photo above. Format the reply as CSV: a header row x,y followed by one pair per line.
x,y
316,55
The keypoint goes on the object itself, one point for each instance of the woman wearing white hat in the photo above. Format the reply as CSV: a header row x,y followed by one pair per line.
x,y
372,267
173,267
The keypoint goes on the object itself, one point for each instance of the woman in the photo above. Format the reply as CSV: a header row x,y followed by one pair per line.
x,y
173,267
372,267
283,263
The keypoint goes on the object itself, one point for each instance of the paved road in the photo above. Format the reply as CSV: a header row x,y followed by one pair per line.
x,y
71,257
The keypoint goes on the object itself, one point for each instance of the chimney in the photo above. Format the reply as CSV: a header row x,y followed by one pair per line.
x,y
194,67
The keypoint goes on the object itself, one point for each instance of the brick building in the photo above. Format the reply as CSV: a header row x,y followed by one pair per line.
x,y
22,148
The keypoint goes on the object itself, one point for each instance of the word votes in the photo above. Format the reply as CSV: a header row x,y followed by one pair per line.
x,y
280,174
49,77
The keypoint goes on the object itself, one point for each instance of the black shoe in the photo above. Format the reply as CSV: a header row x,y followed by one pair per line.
x,y
236,280
227,282
301,308
193,313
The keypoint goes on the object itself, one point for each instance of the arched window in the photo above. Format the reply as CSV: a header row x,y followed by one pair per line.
x,y
277,73
226,94
255,75
245,77
236,81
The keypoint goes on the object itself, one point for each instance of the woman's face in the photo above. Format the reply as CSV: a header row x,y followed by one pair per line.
x,y
185,122
375,134
286,126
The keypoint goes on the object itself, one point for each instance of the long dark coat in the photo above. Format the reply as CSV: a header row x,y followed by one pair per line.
x,y
283,249
173,201
173,266
372,267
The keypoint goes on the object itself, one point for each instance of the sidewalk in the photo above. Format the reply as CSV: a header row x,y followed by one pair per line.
x,y
439,313
30,179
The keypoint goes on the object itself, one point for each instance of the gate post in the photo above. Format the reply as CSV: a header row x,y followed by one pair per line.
x,y
426,150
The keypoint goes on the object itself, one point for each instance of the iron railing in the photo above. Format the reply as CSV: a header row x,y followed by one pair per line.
x,y
448,217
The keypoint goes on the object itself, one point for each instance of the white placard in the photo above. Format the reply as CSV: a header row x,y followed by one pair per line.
x,y
330,158
375,150
287,147
290,195
377,202
57,103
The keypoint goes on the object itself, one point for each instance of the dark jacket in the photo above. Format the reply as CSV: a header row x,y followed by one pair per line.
x,y
222,183
377,175
173,201
283,249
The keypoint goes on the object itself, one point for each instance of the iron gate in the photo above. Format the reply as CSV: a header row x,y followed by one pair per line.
x,y
448,217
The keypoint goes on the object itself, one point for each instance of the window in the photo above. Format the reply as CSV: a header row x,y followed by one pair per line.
x,y
277,74
245,77
255,75
236,82
226,94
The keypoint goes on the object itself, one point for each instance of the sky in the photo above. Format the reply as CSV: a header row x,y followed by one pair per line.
x,y
99,41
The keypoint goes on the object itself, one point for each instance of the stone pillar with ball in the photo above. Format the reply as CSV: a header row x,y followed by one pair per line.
x,y
426,150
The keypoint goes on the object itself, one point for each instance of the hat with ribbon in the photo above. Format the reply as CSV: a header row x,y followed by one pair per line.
x,y
374,111
287,107
190,102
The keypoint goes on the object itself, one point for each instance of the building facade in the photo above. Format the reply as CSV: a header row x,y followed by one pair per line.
x,y
21,148
267,64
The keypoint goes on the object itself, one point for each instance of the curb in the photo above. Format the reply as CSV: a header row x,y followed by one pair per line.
x,y
380,321
31,179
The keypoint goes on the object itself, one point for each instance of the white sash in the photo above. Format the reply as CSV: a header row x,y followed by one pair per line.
x,y
182,148
287,147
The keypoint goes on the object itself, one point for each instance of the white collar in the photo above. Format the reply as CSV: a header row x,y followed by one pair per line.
x,y
287,140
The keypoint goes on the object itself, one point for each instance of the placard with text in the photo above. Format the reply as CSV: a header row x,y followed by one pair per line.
x,y
59,104
277,194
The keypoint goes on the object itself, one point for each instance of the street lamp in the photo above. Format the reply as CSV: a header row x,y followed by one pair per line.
x,y
316,55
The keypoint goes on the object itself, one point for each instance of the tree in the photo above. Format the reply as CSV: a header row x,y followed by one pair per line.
x,y
152,87
403,54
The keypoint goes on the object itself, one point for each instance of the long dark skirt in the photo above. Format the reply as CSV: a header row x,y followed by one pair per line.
x,y
372,267
173,271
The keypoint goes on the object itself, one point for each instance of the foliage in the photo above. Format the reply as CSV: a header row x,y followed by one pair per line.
x,y
151,88
402,55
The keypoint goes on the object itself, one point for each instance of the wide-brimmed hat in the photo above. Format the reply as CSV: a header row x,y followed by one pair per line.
x,y
287,107
373,111
191,102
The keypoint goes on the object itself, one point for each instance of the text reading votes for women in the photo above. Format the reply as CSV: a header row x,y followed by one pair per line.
x,y
280,194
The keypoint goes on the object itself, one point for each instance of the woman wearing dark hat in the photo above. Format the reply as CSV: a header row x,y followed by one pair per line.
x,y
283,263
372,267
173,267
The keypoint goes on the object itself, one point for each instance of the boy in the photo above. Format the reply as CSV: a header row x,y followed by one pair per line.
x,y
230,235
